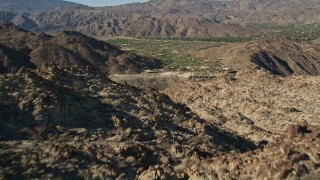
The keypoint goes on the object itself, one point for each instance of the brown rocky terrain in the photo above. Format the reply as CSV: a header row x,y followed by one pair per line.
x,y
79,124
68,123
22,48
255,103
156,80
11,60
169,18
257,106
261,107
287,157
62,117
278,55
316,41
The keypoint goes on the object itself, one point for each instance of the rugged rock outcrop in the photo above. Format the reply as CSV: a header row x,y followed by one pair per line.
x,y
288,156
11,60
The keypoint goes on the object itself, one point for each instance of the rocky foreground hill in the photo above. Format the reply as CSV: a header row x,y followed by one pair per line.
x,y
164,18
65,123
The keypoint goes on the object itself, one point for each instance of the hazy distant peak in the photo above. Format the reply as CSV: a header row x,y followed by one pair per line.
x,y
35,5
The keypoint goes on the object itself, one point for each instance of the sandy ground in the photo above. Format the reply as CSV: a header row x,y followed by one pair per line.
x,y
159,80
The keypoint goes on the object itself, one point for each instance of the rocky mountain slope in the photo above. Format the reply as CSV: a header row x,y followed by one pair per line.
x,y
257,106
69,123
121,130
65,49
278,55
171,18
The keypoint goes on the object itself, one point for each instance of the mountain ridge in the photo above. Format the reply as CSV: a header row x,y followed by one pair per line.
x,y
167,18
66,49
277,55
36,5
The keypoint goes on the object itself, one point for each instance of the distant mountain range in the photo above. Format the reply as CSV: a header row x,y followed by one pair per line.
x,y
35,5
160,18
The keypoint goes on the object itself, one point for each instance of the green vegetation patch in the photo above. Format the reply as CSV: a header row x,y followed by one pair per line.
x,y
302,32
174,52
